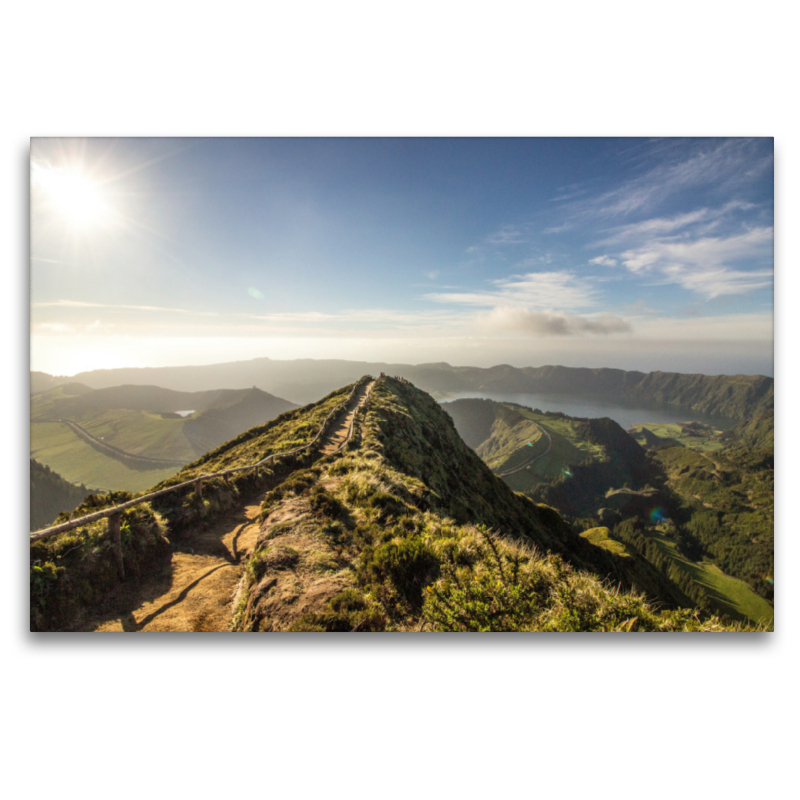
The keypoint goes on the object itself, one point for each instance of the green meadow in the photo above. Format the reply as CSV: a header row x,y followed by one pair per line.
x,y
140,433
54,444
726,594
702,439
567,449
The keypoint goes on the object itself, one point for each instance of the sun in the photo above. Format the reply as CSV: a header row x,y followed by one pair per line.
x,y
72,195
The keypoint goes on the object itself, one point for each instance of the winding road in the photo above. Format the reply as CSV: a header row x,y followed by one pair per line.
x,y
115,452
535,458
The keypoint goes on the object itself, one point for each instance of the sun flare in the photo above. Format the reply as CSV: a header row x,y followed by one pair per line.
x,y
74,197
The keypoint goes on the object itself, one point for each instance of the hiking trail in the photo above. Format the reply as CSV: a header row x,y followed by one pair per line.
x,y
194,589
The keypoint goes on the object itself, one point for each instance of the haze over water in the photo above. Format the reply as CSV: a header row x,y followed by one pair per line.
x,y
625,415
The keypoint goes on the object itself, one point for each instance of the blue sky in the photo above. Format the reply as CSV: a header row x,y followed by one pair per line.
x,y
631,253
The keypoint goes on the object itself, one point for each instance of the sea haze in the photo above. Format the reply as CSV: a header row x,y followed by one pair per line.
x,y
625,415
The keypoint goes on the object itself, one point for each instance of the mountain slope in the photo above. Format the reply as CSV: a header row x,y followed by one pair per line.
x,y
51,494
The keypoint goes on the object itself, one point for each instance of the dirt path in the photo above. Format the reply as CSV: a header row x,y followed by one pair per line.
x,y
194,590
340,430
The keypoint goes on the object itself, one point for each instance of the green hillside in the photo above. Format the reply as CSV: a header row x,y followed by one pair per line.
x,y
50,495
713,492
54,444
696,435
406,530
141,422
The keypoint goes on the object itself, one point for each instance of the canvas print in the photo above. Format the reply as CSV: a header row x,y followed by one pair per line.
x,y
401,385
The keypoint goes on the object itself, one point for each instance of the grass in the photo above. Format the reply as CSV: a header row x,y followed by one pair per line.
x,y
57,446
74,570
286,432
727,595
140,433
705,440
568,449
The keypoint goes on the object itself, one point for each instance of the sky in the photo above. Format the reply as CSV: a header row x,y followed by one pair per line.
x,y
647,254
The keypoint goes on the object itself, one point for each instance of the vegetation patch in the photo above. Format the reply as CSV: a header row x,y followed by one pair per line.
x,y
73,571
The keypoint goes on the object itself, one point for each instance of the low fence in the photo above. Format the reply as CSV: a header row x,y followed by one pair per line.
x,y
114,513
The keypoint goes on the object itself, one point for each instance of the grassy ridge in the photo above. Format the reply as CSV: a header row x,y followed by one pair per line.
x,y
720,498
286,432
410,531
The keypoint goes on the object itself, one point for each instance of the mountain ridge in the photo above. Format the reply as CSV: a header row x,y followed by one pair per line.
x,y
736,396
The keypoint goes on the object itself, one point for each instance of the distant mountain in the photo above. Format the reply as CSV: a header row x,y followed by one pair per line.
x,y
51,494
304,380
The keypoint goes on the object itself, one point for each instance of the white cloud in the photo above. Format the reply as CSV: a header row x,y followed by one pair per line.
x,y
604,261
559,228
659,226
524,321
702,265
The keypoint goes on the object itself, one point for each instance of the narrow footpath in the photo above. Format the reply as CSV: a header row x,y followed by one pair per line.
x,y
339,433
194,590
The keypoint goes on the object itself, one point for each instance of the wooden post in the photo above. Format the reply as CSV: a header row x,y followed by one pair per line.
x,y
198,488
116,543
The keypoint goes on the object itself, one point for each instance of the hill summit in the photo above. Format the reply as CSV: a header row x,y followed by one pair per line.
x,y
401,528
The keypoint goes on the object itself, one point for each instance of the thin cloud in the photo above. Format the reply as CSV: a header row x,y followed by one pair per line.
x,y
508,234
704,265
83,304
660,226
525,322
722,164
540,290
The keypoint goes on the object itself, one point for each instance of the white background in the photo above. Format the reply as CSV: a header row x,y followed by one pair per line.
x,y
558,716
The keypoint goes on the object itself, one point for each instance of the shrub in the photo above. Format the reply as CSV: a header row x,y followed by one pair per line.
x,y
408,564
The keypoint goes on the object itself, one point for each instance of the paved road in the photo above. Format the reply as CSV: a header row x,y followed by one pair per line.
x,y
115,452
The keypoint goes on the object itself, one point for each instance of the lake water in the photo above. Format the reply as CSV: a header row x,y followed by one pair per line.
x,y
185,413
625,415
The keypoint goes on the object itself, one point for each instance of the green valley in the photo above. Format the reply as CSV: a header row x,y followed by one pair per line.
x,y
700,499
129,437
